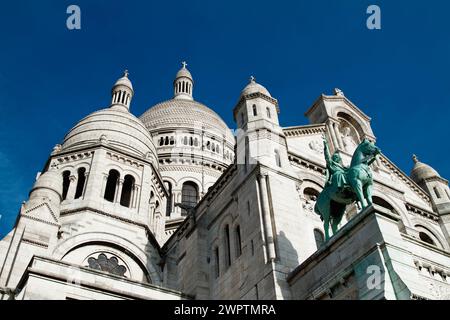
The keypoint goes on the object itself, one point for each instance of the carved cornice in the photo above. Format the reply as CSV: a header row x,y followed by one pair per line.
x,y
403,177
422,212
304,130
35,243
301,162
75,156
189,168
123,159
26,214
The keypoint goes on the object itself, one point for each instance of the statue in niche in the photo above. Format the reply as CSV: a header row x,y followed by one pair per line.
x,y
349,139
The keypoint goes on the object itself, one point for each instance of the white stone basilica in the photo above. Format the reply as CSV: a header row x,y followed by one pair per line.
x,y
173,205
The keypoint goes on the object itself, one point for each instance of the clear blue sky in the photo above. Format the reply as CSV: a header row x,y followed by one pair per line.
x,y
51,77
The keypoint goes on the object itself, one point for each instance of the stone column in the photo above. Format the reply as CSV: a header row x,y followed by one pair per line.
x,y
136,190
105,179
333,135
86,177
118,191
72,188
265,207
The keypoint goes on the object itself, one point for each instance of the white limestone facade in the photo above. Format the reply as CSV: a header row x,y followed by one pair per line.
x,y
173,205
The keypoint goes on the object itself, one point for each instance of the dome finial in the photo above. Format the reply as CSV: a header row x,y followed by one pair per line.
x,y
122,92
252,79
183,84
415,159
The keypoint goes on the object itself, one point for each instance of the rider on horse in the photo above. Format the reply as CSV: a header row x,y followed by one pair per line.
x,y
336,171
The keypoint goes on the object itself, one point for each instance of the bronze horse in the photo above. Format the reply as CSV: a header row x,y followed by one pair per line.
x,y
333,199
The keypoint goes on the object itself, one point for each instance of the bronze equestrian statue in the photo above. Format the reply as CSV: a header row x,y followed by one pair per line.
x,y
345,185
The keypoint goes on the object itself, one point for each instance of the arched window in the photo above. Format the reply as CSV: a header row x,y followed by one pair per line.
x,y
111,185
227,246
318,236
237,239
277,158
189,195
383,203
217,261
196,142
185,141
161,141
208,145
169,199
66,183
426,238
255,113
268,112
127,191
81,182
191,141
166,141
172,141
436,192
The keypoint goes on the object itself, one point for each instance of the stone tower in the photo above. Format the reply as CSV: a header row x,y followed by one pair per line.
x,y
437,187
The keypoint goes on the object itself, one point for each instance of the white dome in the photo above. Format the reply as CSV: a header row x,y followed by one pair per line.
x,y
51,180
178,113
115,127
254,87
183,72
124,81
422,171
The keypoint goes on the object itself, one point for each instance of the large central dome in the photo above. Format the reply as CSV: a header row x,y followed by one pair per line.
x,y
194,145
177,113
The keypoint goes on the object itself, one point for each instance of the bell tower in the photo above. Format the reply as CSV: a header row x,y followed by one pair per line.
x,y
260,139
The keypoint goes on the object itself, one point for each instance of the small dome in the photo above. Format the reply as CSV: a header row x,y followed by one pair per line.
x,y
51,180
254,87
184,72
422,171
113,127
124,81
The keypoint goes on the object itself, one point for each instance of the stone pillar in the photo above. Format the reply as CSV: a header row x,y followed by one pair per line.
x,y
265,207
136,193
333,136
118,191
86,177
72,188
105,179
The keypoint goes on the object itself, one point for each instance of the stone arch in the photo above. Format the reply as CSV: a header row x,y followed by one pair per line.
x,y
195,180
420,225
312,184
115,241
354,119
123,172
398,209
